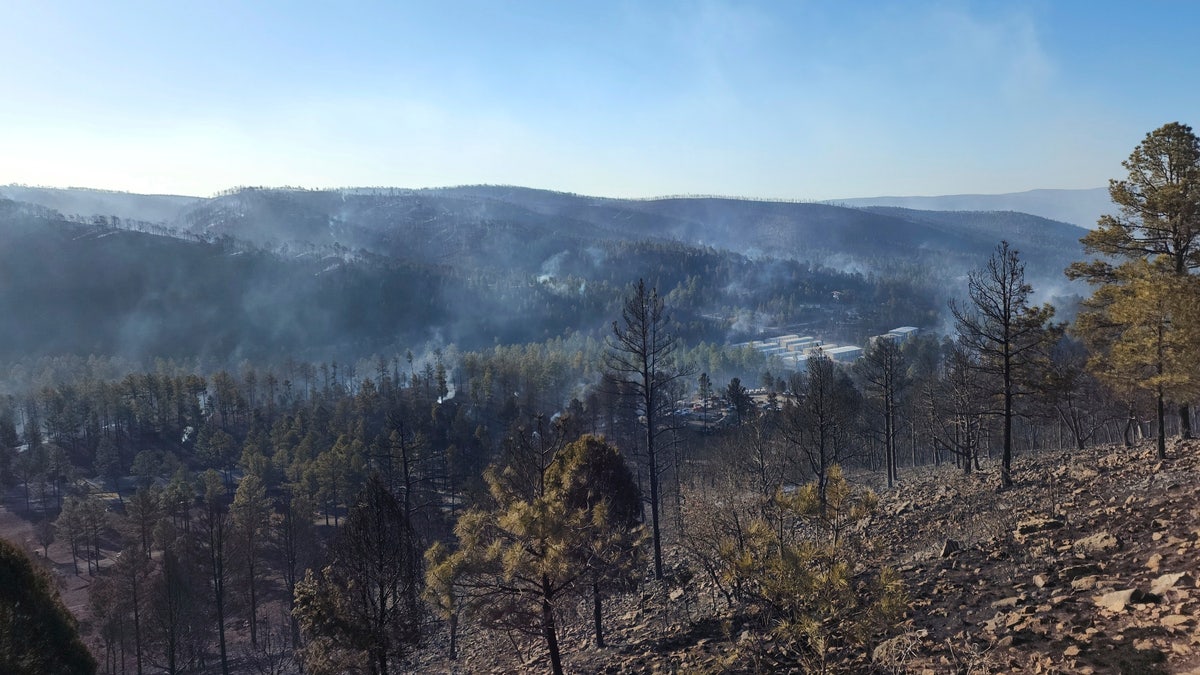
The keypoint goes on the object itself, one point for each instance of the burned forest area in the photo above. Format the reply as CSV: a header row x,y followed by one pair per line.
x,y
489,429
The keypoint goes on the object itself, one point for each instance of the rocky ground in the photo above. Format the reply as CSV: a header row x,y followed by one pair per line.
x,y
1087,565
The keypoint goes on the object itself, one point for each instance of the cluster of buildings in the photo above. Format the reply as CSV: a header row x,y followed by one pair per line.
x,y
794,350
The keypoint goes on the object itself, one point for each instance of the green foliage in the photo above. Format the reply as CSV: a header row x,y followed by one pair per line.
x,y
740,399
37,634
1159,204
1142,320
591,474
802,577
1156,236
518,558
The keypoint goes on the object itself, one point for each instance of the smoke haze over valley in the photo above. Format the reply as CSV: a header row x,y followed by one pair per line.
x,y
348,273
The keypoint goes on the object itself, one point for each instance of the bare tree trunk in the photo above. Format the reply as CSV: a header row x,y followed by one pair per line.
x,y
1162,418
597,610
549,631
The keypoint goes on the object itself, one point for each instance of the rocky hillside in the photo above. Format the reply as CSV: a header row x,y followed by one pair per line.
x,y
1088,565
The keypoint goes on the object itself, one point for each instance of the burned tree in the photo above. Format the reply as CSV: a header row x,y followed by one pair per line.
x,y
1005,331
364,609
883,369
642,350
820,422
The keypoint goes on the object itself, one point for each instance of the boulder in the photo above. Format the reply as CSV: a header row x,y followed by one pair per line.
x,y
1040,524
1100,542
1168,581
950,548
1117,601
1078,571
1011,601
1174,620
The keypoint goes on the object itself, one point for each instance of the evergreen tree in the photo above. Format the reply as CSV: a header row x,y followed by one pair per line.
x,y
250,512
1141,326
817,593
364,608
1158,221
739,399
591,476
38,636
143,512
547,529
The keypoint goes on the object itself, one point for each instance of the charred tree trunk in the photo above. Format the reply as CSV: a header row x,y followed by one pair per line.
x,y
549,630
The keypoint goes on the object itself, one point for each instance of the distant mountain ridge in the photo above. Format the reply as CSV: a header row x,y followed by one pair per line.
x,y
267,271
521,230
107,203
1078,207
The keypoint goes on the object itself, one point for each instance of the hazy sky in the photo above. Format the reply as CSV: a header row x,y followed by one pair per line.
x,y
792,99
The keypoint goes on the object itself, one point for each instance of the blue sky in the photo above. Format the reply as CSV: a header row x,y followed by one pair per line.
x,y
797,100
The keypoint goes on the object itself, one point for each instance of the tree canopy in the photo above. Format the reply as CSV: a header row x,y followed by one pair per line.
x,y
38,636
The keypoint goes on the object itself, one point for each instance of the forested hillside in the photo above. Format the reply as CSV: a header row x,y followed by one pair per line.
x,y
256,273
95,288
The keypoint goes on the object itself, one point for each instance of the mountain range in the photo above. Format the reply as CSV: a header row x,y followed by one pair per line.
x,y
257,271
1078,207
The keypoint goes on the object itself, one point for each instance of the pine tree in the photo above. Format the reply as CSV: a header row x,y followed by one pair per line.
x,y
1007,333
592,476
364,608
642,349
38,636
1141,326
250,512
807,578
1158,223
551,530
739,399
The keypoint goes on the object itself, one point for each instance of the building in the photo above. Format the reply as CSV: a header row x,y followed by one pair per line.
x,y
903,333
844,354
